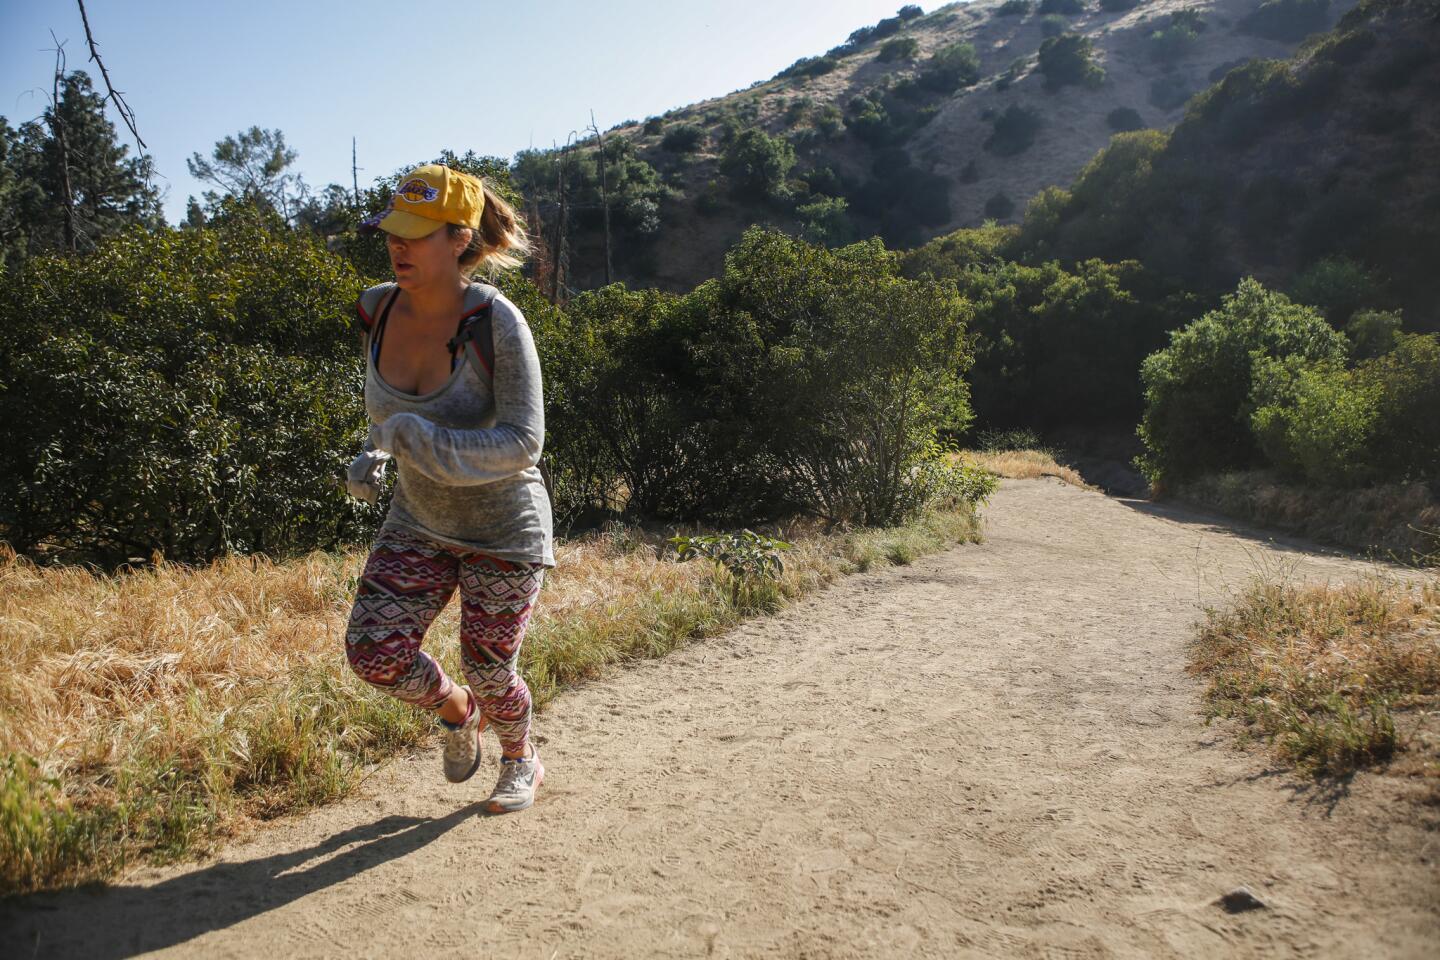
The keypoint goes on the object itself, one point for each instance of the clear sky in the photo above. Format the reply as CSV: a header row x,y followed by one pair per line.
x,y
405,79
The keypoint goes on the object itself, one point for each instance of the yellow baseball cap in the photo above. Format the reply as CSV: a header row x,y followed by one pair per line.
x,y
427,198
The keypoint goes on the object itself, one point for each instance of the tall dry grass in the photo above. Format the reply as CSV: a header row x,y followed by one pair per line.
x,y
1025,465
153,712
1335,677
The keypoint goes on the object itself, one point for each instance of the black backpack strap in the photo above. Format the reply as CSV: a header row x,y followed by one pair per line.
x,y
477,328
367,306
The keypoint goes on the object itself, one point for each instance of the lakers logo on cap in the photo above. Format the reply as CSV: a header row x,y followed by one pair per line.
x,y
416,190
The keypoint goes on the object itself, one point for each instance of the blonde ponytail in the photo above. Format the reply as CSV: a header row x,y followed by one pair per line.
x,y
501,243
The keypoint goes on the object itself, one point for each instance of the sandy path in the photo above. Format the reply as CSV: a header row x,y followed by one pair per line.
x,y
993,752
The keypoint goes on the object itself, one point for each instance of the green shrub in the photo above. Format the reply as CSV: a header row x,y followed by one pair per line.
x,y
683,138
898,48
1053,25
1013,131
1331,426
1069,58
901,198
195,392
1336,286
653,125
1124,119
1172,42
809,67
1198,390
1012,73
826,221
1014,8
840,432
1069,8
999,206
951,67
830,121
911,11
1286,19
758,164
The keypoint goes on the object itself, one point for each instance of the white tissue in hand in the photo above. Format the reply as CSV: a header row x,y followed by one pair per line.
x,y
362,479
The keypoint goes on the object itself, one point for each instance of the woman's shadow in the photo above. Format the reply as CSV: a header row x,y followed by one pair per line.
x,y
104,922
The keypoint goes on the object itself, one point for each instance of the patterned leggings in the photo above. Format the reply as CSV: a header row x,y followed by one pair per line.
x,y
408,579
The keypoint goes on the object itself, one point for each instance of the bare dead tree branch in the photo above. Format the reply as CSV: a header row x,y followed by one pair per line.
x,y
604,195
57,129
126,113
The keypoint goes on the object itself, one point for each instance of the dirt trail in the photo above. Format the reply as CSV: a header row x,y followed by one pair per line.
x,y
993,752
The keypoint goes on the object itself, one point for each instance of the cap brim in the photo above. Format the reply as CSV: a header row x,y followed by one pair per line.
x,y
402,223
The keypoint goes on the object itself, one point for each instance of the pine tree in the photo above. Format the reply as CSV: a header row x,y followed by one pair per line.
x,y
108,189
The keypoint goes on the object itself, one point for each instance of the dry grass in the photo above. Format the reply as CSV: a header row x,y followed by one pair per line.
x,y
1024,465
1335,676
1399,522
153,712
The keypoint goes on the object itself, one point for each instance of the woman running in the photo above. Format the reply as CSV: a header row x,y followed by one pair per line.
x,y
470,507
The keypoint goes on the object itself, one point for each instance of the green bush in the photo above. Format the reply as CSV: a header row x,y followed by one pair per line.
x,y
809,67
1198,390
826,221
1069,58
194,392
1014,8
1172,42
758,164
999,206
902,199
653,125
1331,426
1337,287
1013,131
839,432
1069,8
683,138
1125,119
951,67
898,48
1288,20
911,11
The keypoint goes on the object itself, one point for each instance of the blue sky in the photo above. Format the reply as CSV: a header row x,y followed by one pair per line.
x,y
406,80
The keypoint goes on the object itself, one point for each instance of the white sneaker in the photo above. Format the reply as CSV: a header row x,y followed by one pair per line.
x,y
462,744
515,789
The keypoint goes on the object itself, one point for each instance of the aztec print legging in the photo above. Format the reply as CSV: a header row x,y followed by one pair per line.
x,y
408,579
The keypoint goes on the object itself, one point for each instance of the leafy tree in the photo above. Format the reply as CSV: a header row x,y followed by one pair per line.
x,y
758,164
1013,130
826,222
1069,58
252,166
910,11
1125,119
109,191
195,392
1198,391
951,67
898,48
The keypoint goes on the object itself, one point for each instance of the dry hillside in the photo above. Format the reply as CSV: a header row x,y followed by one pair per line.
x,y
1073,126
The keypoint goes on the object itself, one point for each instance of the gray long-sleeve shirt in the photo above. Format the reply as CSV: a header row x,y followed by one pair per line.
x,y
467,457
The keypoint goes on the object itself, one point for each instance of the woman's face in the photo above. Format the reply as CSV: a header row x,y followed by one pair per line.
x,y
432,259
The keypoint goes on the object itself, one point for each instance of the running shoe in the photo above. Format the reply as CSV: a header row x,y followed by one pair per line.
x,y
515,789
462,743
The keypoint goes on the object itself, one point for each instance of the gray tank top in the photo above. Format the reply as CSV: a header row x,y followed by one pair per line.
x,y
465,460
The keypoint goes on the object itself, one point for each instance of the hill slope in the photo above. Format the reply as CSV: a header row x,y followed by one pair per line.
x,y
867,123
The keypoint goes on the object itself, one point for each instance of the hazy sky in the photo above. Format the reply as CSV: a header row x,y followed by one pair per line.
x,y
406,80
